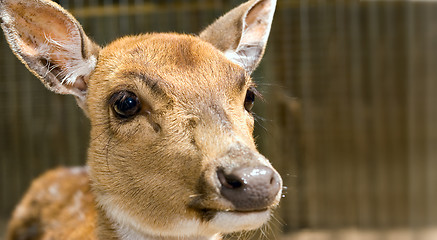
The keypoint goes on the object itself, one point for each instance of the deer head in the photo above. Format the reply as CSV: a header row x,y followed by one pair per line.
x,y
171,152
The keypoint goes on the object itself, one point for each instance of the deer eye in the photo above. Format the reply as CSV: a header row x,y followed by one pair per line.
x,y
249,100
125,104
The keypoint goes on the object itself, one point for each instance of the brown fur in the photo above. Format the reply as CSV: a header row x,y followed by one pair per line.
x,y
153,175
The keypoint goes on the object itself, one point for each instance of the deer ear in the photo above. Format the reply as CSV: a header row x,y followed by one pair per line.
x,y
242,33
51,43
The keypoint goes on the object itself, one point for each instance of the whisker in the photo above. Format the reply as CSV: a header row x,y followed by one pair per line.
x,y
195,195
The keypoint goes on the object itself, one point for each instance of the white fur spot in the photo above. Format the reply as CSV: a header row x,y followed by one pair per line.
x,y
77,205
21,211
54,190
78,170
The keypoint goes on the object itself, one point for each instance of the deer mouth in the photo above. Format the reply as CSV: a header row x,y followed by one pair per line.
x,y
209,207
227,221
208,214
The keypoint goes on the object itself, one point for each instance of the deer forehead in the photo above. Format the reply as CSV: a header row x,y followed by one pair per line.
x,y
179,64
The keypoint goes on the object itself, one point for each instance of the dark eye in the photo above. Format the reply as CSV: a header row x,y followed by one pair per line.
x,y
249,100
126,104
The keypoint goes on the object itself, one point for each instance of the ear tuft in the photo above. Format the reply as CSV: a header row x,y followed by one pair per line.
x,y
242,33
73,68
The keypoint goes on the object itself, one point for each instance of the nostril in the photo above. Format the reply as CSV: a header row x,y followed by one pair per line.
x,y
229,181
233,183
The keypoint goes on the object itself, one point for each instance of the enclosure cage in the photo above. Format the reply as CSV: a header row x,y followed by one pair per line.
x,y
349,116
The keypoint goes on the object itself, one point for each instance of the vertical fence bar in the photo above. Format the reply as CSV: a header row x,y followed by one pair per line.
x,y
359,114
15,173
124,18
377,140
311,149
5,158
430,20
416,151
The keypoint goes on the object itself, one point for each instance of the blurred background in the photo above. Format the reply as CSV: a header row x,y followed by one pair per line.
x,y
349,117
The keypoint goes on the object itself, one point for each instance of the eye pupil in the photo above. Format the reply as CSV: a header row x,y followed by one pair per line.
x,y
249,100
126,104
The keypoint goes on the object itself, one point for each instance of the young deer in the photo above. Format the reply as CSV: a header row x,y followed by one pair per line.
x,y
171,154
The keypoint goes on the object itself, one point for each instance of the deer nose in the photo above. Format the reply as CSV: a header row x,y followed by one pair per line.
x,y
250,188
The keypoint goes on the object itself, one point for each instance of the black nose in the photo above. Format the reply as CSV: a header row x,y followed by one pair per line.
x,y
250,188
